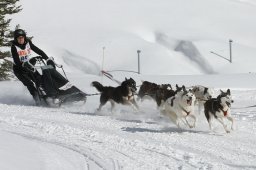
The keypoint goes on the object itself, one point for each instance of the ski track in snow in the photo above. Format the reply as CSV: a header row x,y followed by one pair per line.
x,y
144,140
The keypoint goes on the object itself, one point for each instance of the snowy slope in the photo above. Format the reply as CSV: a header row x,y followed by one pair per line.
x,y
175,37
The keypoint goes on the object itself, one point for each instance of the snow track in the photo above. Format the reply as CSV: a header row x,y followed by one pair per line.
x,y
145,140
45,128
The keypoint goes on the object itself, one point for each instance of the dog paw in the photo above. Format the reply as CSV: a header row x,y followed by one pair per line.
x,y
192,126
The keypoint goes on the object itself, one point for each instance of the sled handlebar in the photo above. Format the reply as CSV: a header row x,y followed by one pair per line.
x,y
57,65
29,65
33,68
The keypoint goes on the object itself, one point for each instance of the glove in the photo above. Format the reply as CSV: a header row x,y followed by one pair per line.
x,y
50,62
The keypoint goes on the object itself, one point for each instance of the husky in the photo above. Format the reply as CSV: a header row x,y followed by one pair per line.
x,y
164,92
179,107
158,93
202,94
147,89
219,108
123,94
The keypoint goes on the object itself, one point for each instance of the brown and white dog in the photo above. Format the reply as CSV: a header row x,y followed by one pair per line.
x,y
159,93
179,107
163,93
147,89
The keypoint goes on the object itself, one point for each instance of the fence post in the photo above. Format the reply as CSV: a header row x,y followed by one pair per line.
x,y
102,64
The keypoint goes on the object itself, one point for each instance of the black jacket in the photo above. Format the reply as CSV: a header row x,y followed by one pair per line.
x,y
15,55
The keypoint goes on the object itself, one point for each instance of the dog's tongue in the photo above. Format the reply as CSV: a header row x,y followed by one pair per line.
x,y
189,102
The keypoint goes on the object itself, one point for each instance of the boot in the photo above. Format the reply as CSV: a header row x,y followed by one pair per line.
x,y
36,99
53,102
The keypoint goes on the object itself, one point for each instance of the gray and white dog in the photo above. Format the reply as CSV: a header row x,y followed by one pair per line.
x,y
202,94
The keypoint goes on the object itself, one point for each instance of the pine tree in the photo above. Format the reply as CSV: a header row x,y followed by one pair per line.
x,y
7,8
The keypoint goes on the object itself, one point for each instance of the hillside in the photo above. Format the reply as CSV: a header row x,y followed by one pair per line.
x,y
175,37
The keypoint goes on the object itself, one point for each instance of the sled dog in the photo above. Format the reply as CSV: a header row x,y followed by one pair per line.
x,y
123,94
179,107
202,94
157,92
219,108
163,93
147,89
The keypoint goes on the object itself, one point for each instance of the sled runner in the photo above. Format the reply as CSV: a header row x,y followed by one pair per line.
x,y
52,87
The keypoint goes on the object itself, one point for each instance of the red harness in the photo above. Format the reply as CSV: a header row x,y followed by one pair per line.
x,y
225,112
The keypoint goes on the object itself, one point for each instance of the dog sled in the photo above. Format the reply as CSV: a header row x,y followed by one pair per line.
x,y
53,88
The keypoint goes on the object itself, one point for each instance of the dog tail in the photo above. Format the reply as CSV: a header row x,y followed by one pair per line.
x,y
98,86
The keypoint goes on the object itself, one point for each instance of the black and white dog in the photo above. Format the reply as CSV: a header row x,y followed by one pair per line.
x,y
123,94
179,107
219,108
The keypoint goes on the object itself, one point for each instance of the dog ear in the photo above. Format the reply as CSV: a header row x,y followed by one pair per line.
x,y
126,79
228,91
205,90
194,89
221,91
170,86
184,88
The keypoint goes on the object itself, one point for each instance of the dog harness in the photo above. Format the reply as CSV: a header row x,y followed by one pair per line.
x,y
129,97
225,112
200,99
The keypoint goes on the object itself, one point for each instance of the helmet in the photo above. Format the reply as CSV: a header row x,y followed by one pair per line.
x,y
19,32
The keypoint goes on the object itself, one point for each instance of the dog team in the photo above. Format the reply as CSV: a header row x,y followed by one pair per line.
x,y
178,104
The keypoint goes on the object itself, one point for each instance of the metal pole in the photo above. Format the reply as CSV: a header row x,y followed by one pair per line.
x,y
230,50
138,51
102,58
103,55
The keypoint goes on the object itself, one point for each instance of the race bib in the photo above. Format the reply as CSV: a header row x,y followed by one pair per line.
x,y
24,55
